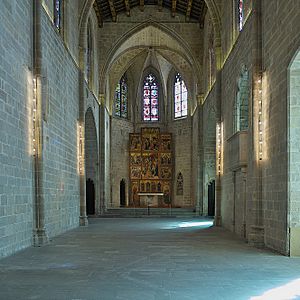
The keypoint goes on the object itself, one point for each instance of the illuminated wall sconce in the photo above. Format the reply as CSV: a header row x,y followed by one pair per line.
x,y
34,116
219,139
260,118
80,149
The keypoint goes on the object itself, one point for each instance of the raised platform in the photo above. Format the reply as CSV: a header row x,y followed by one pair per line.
x,y
151,211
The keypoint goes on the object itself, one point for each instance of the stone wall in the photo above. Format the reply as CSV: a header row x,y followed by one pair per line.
x,y
266,193
71,32
60,112
61,183
278,51
209,57
229,20
241,57
182,151
120,130
16,163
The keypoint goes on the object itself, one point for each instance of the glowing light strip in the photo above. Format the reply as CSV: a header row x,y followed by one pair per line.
x,y
260,119
34,113
219,148
80,149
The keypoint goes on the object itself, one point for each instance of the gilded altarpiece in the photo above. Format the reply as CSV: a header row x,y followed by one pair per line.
x,y
150,164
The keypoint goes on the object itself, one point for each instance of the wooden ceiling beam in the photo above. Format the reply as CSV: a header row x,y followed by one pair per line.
x,y
98,14
112,10
174,2
188,10
142,5
127,6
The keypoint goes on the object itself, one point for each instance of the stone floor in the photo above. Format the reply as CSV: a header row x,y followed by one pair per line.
x,y
149,258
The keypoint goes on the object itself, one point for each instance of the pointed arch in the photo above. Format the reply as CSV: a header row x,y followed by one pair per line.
x,y
293,206
140,94
168,37
126,58
91,156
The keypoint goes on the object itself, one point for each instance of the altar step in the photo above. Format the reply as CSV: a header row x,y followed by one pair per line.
x,y
152,211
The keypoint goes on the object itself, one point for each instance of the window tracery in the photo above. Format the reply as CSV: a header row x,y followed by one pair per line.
x,y
121,98
180,97
150,98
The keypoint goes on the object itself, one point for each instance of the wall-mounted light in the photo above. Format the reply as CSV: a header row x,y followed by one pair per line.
x,y
260,118
219,139
34,116
80,149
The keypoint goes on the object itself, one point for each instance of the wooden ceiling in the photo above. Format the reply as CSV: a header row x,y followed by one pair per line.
x,y
107,10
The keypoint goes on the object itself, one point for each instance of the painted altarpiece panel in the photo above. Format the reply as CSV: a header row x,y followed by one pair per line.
x,y
150,164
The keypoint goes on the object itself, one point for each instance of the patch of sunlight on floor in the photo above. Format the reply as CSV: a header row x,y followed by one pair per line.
x,y
195,224
190,224
290,291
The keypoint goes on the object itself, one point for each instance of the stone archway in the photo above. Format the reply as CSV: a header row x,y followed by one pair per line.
x,y
91,161
294,154
156,36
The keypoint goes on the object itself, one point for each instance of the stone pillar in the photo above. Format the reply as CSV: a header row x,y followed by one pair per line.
x,y
199,201
101,147
40,236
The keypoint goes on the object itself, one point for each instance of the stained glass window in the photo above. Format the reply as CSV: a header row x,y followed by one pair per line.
x,y
150,98
180,97
57,13
241,14
121,98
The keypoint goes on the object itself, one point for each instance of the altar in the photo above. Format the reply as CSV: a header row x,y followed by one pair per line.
x,y
150,168
150,199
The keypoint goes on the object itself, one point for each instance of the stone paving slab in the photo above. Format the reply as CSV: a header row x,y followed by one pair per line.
x,y
145,259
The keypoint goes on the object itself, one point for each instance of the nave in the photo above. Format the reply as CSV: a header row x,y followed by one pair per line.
x,y
149,258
